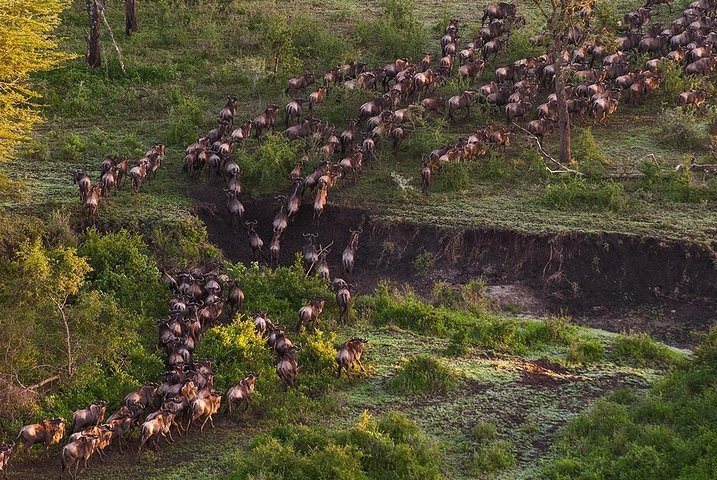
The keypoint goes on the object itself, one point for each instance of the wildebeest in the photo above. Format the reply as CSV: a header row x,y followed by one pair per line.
x,y
693,98
255,242
138,173
287,367
48,431
459,102
349,255
83,182
265,120
5,454
92,200
143,396
158,424
241,392
89,417
309,314
498,11
205,407
81,449
226,114
348,353
234,206
300,82
343,298
293,111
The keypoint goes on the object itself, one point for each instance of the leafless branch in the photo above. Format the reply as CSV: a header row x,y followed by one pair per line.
x,y
101,9
562,168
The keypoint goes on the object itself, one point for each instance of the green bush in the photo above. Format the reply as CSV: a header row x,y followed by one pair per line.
x,y
425,138
492,458
641,349
675,185
186,120
575,193
588,153
391,448
678,127
395,33
423,374
183,244
484,432
666,433
424,262
265,168
459,344
552,331
586,351
454,177
122,268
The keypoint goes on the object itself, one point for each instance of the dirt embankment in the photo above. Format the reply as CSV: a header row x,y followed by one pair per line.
x,y
611,281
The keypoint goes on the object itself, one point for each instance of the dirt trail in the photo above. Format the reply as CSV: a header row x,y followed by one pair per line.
x,y
616,282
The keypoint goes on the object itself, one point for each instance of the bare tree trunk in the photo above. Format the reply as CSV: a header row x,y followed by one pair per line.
x,y
561,74
93,36
130,15
68,337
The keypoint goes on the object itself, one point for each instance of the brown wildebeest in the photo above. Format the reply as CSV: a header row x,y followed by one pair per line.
x,y
5,454
347,137
226,114
255,242
234,206
349,255
83,182
205,407
348,353
701,66
299,83
293,204
143,396
309,251
501,138
317,97
426,173
368,146
81,449
374,107
636,20
138,173
516,110
425,62
323,265
693,98
287,368
281,219
89,417
499,11
343,299
92,201
293,111
471,70
605,105
435,105
459,102
275,247
235,298
241,392
397,134
424,81
494,47
242,133
159,424
320,201
265,120
108,181
309,314
540,127
299,131
47,431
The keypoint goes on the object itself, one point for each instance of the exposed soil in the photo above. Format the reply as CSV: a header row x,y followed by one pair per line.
x,y
615,282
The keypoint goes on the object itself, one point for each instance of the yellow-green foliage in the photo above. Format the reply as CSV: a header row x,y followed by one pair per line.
x,y
27,45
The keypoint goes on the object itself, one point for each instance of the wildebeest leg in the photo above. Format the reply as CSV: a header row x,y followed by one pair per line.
x,y
168,437
360,365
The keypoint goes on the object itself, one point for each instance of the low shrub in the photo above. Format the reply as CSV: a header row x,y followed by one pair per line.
x,y
459,344
575,193
186,120
675,185
551,331
265,168
391,448
424,262
491,459
678,127
182,244
454,177
641,349
423,374
484,432
586,351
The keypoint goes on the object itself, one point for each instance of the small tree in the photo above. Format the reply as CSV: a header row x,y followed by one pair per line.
x,y
51,275
567,25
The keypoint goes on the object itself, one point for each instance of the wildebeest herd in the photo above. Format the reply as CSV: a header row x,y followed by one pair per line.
x,y
112,173
602,78
186,396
